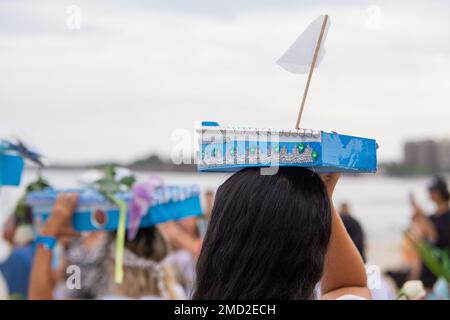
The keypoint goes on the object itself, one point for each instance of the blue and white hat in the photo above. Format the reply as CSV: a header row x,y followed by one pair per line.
x,y
95,212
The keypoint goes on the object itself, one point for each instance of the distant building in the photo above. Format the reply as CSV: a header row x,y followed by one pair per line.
x,y
428,154
444,155
421,154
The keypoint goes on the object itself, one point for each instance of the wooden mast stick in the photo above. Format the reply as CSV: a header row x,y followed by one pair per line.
x,y
311,69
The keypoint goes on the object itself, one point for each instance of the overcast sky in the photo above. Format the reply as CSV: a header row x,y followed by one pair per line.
x,y
136,70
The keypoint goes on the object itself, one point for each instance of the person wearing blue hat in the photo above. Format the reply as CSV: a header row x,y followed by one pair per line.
x,y
147,274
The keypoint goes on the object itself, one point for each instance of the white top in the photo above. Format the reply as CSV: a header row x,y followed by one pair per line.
x,y
128,298
350,297
4,295
178,290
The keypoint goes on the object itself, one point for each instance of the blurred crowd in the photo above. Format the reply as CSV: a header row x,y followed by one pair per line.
x,y
172,246
160,262
424,249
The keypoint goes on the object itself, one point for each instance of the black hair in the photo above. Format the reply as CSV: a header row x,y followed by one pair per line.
x,y
148,243
267,237
438,184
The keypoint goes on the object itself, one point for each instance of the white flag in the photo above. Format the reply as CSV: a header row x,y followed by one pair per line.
x,y
298,58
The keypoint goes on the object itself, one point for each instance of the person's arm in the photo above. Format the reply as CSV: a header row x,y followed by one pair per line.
x,y
423,227
190,226
41,281
344,271
429,230
180,239
58,226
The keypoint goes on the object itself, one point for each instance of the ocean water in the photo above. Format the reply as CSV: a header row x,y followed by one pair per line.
x,y
380,203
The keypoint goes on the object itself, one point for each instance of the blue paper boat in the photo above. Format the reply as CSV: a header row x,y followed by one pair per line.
x,y
234,148
11,167
95,212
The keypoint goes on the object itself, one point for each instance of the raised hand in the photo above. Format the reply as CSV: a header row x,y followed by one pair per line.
x,y
59,224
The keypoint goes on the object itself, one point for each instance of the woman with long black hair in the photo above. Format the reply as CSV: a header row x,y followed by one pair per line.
x,y
277,237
